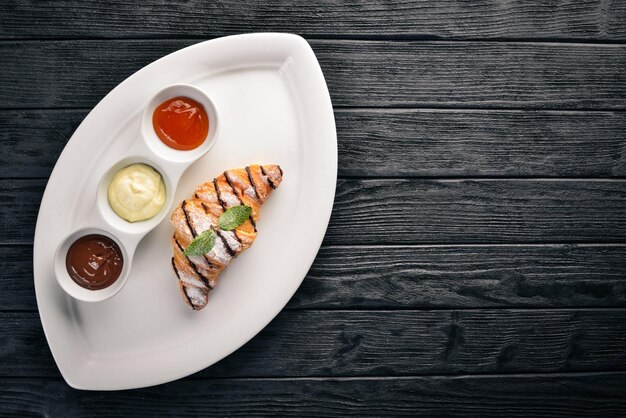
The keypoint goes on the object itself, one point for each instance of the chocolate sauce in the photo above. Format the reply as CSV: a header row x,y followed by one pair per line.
x,y
230,183
219,195
192,265
269,180
229,250
252,182
184,287
191,229
94,261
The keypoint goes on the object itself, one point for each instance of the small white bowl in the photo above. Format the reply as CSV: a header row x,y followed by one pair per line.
x,y
157,146
121,224
74,289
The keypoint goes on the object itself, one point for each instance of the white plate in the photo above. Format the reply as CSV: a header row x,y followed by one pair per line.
x,y
274,108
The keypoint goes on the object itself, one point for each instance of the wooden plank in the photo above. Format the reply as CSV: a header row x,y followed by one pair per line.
x,y
17,287
480,143
19,205
35,137
395,142
477,211
358,73
593,395
474,74
422,277
417,211
384,343
463,277
570,19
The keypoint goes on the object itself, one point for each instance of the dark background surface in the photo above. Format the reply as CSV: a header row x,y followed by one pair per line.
x,y
475,262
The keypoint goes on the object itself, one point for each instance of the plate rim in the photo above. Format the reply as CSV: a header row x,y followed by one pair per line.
x,y
301,44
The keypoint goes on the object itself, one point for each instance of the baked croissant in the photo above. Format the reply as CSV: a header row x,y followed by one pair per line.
x,y
250,186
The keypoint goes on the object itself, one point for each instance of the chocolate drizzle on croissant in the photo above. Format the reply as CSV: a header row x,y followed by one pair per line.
x,y
251,186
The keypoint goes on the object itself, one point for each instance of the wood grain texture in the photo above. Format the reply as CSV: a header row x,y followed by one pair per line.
x,y
425,143
417,211
17,286
477,211
587,19
34,136
358,73
464,277
474,74
387,343
432,143
376,328
19,205
597,394
422,277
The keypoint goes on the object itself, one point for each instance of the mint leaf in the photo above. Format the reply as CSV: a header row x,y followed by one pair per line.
x,y
201,244
235,216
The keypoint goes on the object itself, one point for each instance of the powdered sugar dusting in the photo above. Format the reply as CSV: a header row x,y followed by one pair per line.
x,y
190,279
179,222
207,197
196,295
231,240
230,199
200,220
250,192
237,181
219,253
201,264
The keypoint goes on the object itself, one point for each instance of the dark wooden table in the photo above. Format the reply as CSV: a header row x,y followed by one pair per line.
x,y
475,262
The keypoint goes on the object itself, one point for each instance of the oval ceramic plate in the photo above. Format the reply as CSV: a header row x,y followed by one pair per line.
x,y
274,109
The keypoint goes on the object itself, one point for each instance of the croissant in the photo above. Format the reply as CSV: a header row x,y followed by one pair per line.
x,y
250,186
